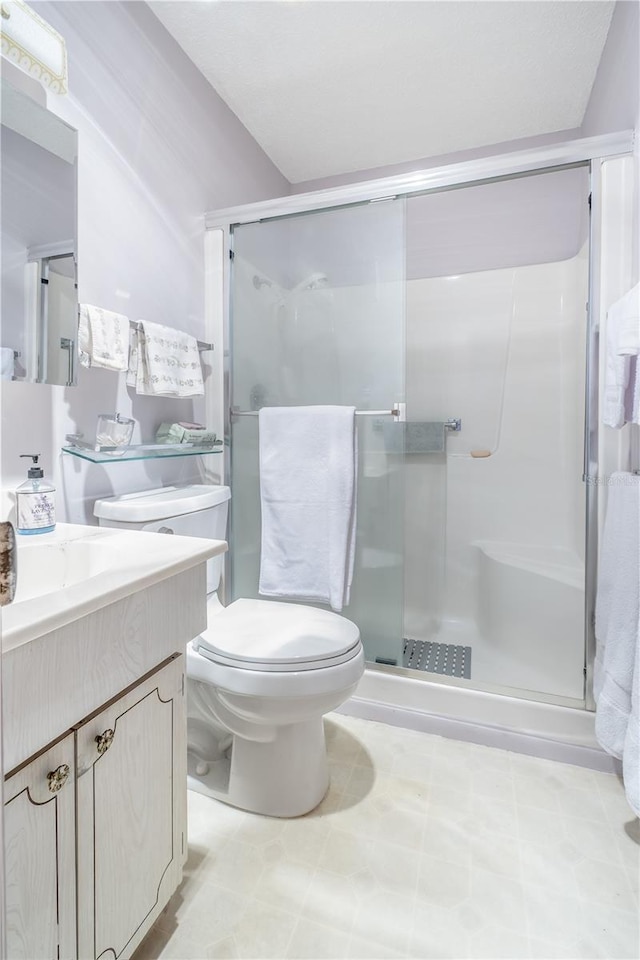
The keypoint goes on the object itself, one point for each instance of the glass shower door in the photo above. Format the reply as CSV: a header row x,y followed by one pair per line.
x,y
318,317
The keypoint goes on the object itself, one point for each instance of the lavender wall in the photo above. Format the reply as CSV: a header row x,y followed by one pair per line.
x,y
157,148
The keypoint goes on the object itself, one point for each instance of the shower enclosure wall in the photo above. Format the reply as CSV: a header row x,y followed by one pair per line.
x,y
462,308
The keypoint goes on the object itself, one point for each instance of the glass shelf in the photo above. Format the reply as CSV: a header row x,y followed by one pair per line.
x,y
143,451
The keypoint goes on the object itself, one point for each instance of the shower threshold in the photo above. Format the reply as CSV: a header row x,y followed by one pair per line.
x,y
449,659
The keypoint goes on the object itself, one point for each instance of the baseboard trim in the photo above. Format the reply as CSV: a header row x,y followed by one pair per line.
x,y
532,745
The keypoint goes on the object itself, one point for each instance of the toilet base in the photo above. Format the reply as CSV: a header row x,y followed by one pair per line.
x,y
286,777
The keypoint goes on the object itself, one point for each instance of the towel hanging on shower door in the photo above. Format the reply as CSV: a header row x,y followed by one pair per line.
x,y
308,477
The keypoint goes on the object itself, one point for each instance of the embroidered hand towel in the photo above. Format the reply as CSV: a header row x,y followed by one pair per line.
x,y
164,362
103,338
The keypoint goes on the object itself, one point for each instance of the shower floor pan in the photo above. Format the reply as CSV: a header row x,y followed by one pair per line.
x,y
449,659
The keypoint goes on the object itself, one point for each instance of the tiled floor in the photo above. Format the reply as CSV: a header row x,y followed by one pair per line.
x,y
425,848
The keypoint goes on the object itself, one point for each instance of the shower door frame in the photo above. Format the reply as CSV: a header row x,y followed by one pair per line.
x,y
590,151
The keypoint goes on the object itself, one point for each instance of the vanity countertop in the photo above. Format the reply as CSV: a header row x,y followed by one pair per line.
x,y
75,570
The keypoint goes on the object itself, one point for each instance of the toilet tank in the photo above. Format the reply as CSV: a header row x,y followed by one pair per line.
x,y
190,510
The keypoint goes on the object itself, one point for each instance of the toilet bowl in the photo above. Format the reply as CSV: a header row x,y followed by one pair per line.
x,y
267,672
261,676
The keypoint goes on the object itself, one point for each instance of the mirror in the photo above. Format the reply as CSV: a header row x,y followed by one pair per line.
x,y
39,307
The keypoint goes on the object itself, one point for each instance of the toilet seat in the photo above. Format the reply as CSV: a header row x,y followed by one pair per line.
x,y
265,635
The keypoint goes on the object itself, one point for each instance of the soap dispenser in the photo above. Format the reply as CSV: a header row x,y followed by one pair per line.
x,y
36,506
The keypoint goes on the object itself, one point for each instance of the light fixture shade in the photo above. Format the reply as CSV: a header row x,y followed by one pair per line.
x,y
28,41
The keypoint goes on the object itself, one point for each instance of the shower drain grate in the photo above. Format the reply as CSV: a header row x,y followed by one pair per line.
x,y
446,658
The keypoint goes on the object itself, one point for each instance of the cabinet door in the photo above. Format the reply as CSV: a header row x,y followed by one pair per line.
x,y
131,803
40,868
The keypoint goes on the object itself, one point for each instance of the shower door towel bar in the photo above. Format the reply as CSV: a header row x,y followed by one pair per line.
x,y
396,411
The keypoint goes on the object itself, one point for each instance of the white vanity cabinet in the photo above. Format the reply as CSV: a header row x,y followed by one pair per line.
x,y
92,680
131,803
40,856
100,814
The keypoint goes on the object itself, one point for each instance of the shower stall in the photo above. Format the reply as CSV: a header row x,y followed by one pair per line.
x,y
457,310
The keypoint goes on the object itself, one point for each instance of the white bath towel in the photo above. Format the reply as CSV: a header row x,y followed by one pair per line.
x,y
617,665
634,380
164,362
621,395
308,479
627,310
103,338
7,363
627,320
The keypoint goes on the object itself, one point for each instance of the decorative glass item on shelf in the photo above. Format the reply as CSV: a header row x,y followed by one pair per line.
x,y
113,432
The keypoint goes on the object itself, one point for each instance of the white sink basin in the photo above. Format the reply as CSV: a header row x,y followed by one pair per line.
x,y
48,567
75,570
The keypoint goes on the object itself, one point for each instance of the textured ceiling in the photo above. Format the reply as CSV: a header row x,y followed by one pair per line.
x,y
334,87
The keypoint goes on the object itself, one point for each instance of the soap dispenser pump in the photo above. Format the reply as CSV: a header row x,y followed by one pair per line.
x,y
36,506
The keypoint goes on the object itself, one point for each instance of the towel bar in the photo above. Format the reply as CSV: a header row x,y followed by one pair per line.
x,y
394,412
397,411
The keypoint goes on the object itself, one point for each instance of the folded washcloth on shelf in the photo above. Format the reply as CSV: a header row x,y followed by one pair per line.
x,y
103,338
164,362
308,479
621,396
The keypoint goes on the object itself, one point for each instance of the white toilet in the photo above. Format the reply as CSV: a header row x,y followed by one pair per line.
x,y
259,678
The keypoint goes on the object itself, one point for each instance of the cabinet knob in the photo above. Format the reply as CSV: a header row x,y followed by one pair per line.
x,y
57,778
105,740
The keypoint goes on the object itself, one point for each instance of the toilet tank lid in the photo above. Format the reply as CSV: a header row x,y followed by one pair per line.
x,y
159,504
